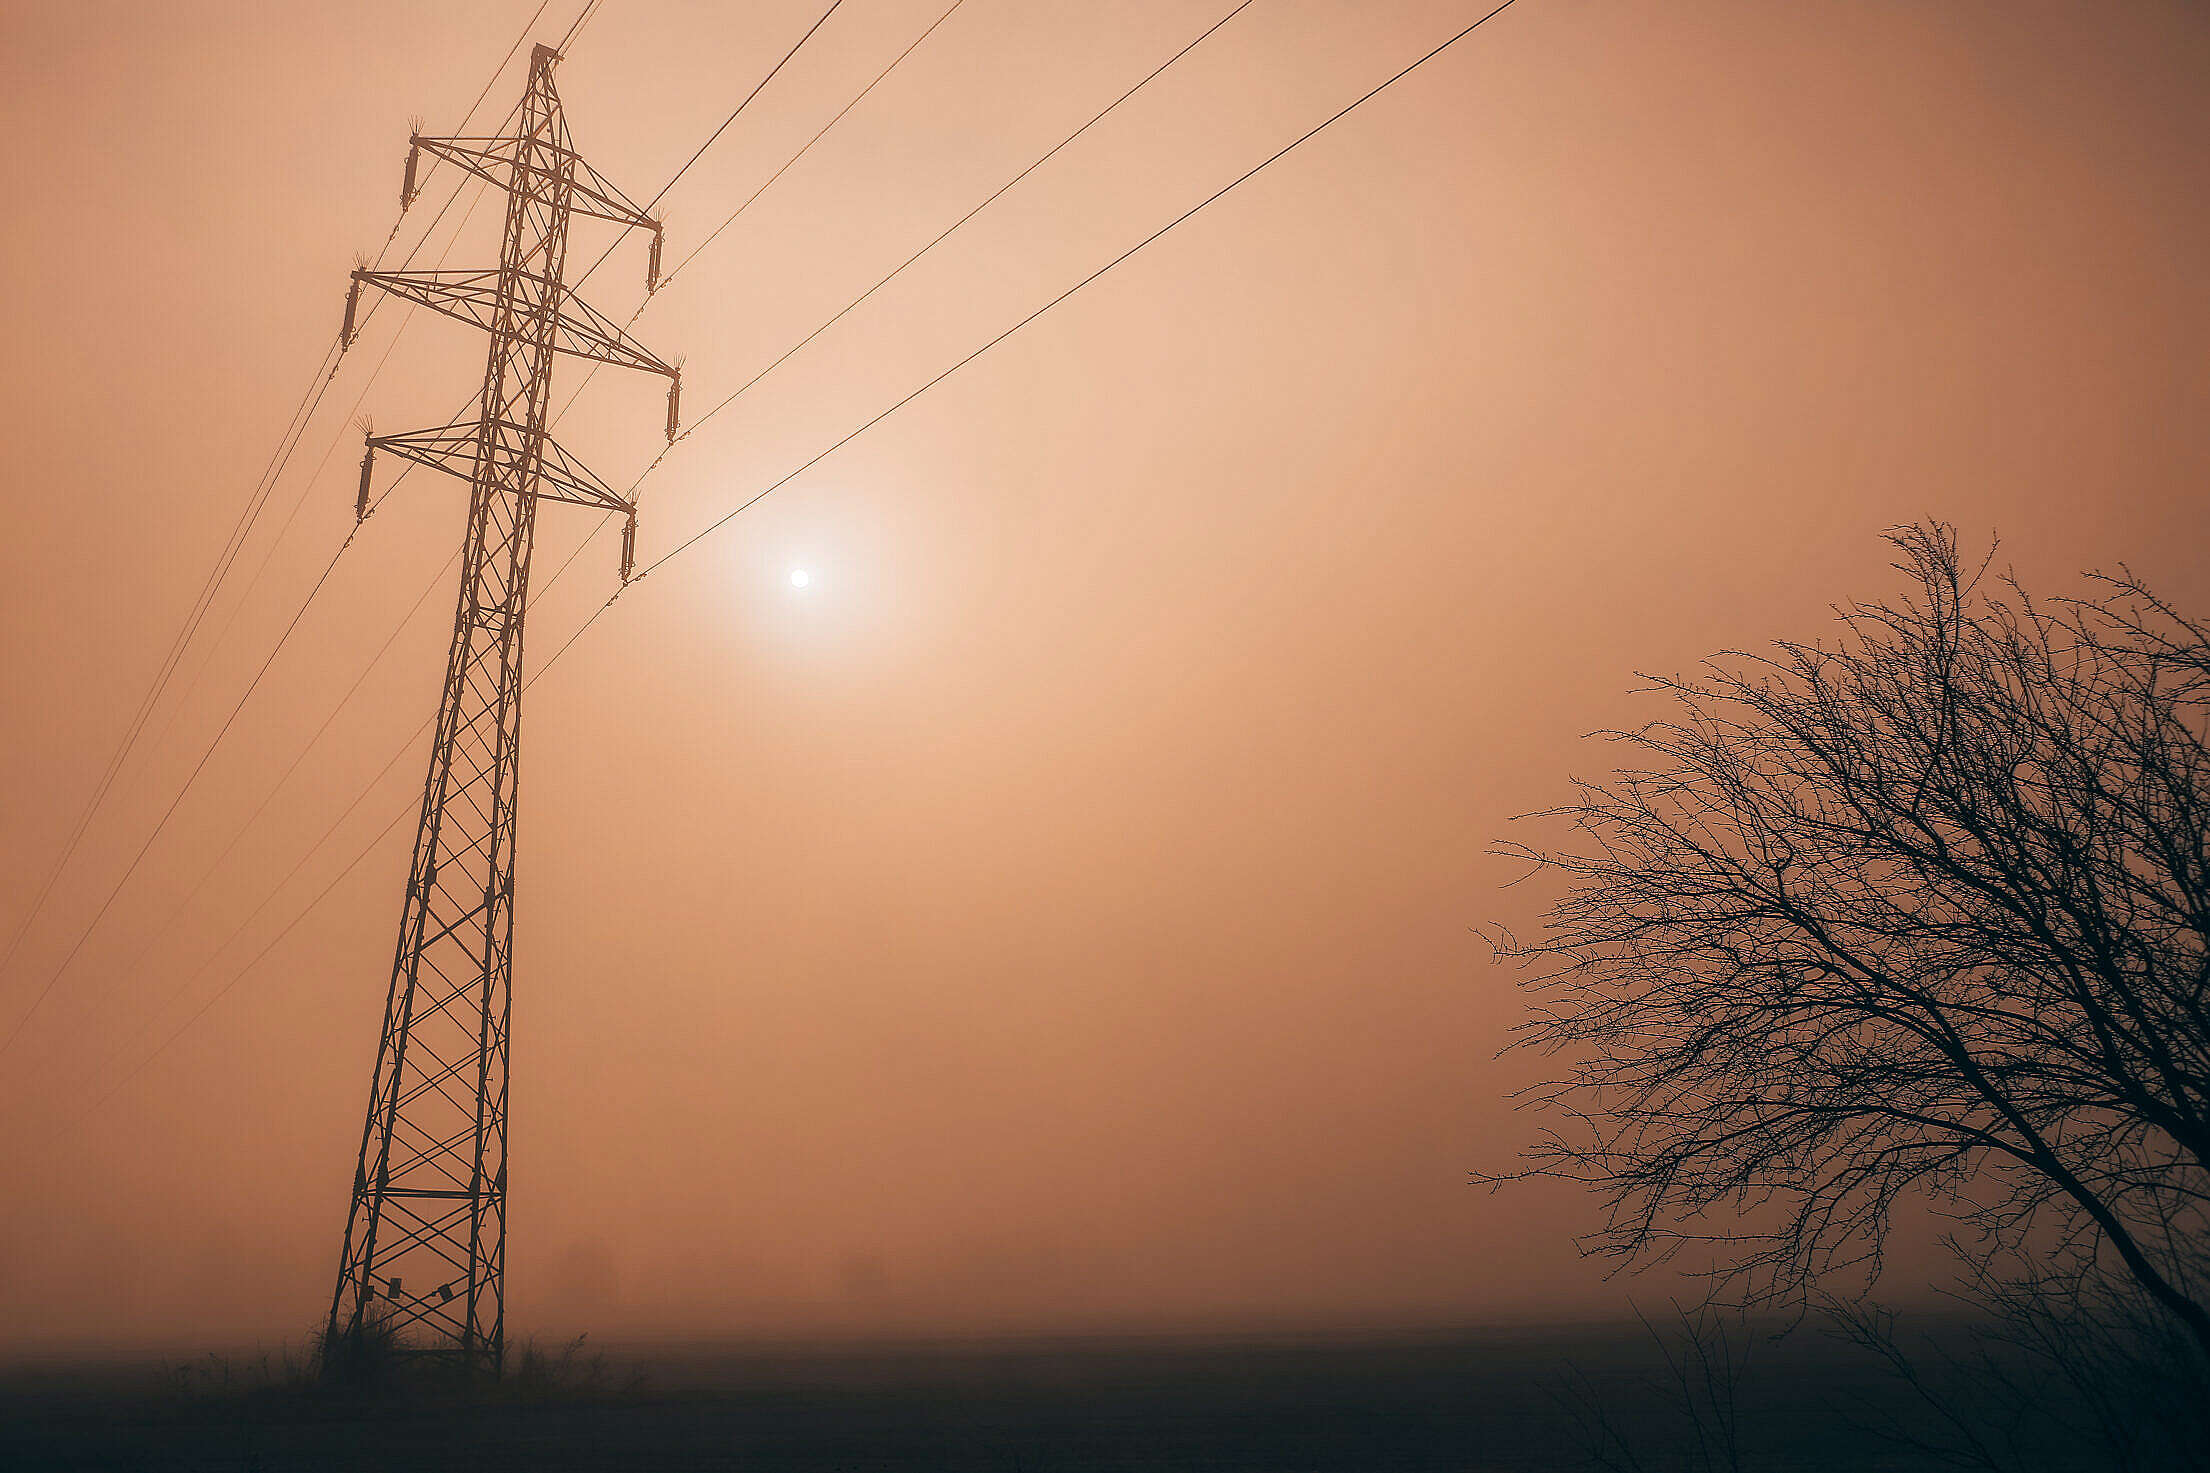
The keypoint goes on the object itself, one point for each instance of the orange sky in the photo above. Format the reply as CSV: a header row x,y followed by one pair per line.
x,y
1061,914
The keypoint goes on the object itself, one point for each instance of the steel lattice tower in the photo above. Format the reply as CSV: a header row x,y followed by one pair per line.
x,y
423,1268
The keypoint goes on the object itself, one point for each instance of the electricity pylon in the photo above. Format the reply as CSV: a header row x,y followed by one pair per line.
x,y
423,1272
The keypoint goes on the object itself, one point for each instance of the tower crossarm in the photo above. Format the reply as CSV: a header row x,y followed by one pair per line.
x,y
456,450
472,296
545,164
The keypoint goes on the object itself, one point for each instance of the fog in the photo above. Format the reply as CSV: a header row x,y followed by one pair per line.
x,y
1064,913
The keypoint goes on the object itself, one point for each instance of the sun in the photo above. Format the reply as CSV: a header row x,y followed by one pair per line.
x,y
799,577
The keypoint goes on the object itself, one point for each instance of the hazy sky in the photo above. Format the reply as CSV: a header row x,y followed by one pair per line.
x,y
1060,914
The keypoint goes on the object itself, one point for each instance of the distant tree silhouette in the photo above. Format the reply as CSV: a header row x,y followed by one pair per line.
x,y
1923,910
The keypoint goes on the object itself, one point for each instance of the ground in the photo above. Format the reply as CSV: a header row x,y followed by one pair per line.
x,y
1461,1400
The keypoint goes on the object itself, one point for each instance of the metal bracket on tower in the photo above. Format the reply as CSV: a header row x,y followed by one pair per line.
x,y
368,468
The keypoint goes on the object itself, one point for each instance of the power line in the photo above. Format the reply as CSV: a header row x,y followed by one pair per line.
x,y
325,374
310,400
338,436
493,80
652,295
274,941
574,29
567,39
753,197
900,269
170,812
695,538
572,32
940,237
860,97
153,692
738,111
946,233
542,670
16,1031
734,114
437,580
316,848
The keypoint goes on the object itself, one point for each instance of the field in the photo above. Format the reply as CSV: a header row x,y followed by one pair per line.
x,y
1490,1399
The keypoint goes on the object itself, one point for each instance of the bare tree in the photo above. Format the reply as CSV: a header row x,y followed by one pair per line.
x,y
1920,911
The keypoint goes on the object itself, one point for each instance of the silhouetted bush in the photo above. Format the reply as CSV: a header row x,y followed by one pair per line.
x,y
366,1356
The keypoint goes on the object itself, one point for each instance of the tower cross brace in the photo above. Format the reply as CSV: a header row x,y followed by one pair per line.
x,y
423,1268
